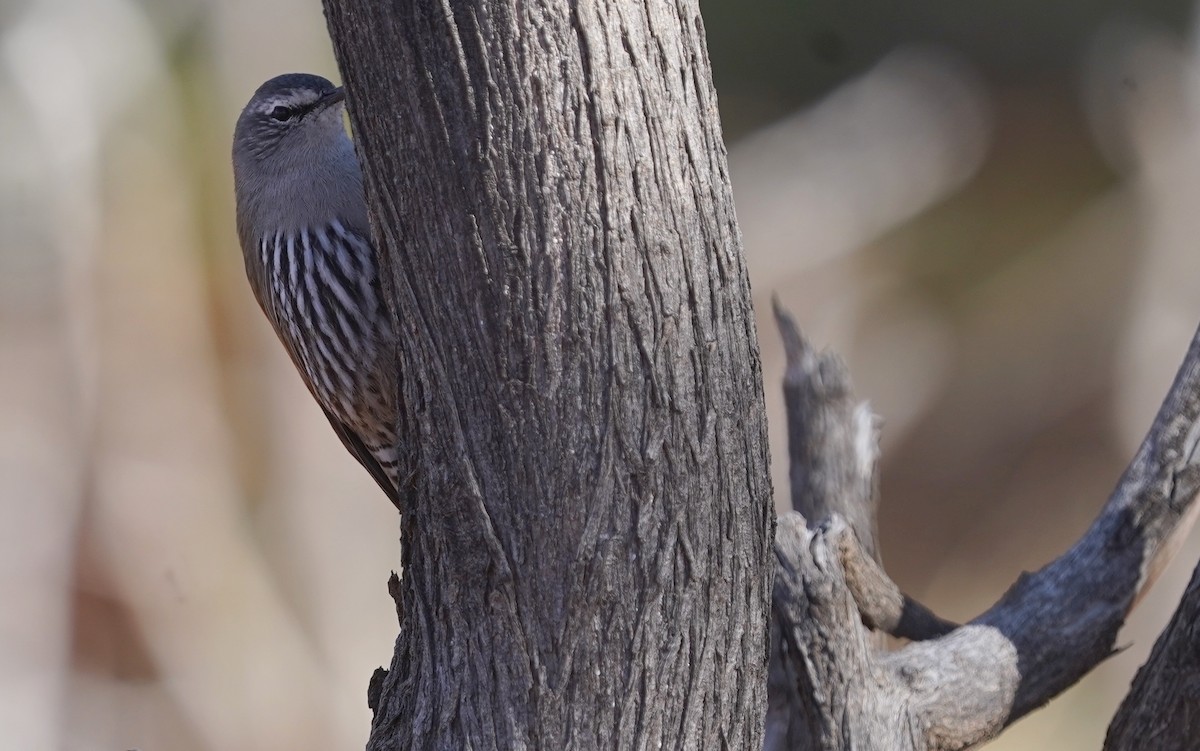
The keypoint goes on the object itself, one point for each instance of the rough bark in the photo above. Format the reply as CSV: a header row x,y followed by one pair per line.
x,y
835,691
587,555
1162,710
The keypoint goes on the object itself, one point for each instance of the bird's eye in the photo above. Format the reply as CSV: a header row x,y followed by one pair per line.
x,y
282,114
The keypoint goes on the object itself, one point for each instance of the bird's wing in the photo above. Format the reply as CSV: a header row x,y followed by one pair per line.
x,y
356,447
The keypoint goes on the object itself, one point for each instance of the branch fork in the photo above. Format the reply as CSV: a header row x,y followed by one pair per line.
x,y
832,686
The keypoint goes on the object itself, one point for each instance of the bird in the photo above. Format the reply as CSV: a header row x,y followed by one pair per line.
x,y
302,224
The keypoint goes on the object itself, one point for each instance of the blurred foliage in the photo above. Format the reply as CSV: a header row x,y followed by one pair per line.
x,y
771,56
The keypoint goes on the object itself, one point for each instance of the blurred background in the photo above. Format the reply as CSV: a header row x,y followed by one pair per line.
x,y
990,210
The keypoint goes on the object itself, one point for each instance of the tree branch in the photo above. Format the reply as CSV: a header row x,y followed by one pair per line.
x,y
832,445
1048,630
880,602
832,440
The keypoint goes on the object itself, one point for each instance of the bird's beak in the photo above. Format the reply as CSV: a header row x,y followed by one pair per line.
x,y
333,97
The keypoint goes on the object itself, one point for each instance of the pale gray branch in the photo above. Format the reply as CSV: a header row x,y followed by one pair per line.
x,y
832,444
832,441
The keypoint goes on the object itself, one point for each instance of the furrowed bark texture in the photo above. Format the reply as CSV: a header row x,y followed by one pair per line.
x,y
835,691
1162,710
588,552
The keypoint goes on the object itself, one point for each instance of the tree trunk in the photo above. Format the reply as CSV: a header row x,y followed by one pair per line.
x,y
588,548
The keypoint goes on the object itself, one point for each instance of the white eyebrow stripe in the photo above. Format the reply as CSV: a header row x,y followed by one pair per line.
x,y
291,99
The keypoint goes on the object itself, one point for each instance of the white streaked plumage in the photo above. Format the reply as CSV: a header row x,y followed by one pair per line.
x,y
302,222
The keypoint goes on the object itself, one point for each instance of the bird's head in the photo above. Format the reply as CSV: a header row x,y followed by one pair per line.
x,y
290,118
294,164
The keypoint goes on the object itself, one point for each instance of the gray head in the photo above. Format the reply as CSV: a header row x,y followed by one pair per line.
x,y
293,162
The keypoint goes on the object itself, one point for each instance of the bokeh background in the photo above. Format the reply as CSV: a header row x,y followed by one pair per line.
x,y
992,211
